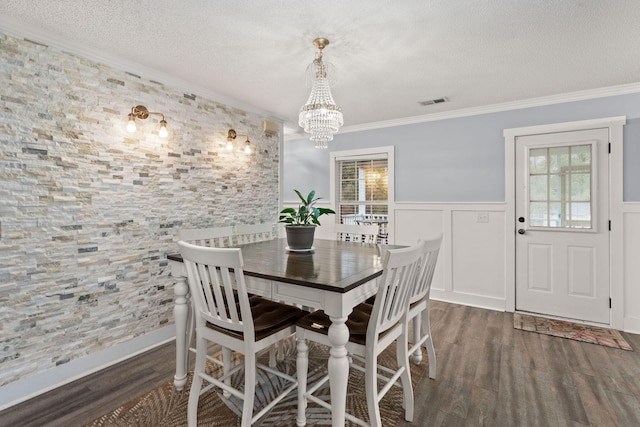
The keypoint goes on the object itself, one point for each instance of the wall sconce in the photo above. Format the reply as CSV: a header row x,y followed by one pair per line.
x,y
231,135
141,112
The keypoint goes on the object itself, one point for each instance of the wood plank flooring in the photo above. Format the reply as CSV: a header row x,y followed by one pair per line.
x,y
489,374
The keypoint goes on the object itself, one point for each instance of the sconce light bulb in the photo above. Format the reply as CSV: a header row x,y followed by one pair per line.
x,y
131,126
247,147
229,145
163,133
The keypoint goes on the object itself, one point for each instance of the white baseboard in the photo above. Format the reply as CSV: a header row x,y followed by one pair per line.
x,y
489,303
632,325
32,386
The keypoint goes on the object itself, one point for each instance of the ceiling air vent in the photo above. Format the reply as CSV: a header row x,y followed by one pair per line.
x,y
433,101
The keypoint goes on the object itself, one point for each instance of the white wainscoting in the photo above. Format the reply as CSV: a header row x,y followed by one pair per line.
x,y
471,266
631,266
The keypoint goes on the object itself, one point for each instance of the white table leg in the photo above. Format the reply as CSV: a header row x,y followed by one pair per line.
x,y
181,315
338,369
417,355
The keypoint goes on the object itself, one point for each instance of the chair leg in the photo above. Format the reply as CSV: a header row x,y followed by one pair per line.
x,y
196,384
276,353
249,388
428,344
272,356
280,350
226,367
417,355
371,388
302,366
402,359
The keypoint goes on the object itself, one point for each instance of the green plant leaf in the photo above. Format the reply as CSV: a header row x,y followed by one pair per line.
x,y
325,211
310,197
301,198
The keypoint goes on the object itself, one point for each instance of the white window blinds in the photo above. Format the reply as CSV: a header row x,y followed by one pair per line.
x,y
363,188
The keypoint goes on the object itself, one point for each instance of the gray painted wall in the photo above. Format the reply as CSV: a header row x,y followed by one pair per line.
x,y
461,159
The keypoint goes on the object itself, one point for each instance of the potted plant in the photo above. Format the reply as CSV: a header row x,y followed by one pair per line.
x,y
301,223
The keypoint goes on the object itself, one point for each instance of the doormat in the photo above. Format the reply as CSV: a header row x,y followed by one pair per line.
x,y
572,331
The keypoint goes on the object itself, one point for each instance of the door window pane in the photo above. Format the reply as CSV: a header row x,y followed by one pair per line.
x,y
580,215
558,159
555,188
538,187
538,214
581,187
581,156
538,160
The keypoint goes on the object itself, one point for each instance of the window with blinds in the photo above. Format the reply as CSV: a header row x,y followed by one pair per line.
x,y
363,189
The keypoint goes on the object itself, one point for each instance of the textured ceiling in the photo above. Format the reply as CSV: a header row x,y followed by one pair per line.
x,y
389,55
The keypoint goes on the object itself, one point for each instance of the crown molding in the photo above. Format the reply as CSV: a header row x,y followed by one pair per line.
x,y
506,106
493,108
41,36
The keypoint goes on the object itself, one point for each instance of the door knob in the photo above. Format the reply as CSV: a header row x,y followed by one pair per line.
x,y
521,231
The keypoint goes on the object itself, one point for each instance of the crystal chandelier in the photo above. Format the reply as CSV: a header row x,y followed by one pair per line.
x,y
320,116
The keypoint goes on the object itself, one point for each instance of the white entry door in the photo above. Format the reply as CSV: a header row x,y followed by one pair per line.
x,y
562,222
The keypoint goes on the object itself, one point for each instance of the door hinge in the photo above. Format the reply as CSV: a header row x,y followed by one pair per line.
x,y
609,225
609,302
609,148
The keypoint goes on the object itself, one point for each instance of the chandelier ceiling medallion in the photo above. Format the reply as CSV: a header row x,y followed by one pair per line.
x,y
320,116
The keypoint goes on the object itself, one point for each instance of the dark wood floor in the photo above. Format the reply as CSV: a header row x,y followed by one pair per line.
x,y
489,374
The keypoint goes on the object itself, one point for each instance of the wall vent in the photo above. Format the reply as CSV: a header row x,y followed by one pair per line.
x,y
434,101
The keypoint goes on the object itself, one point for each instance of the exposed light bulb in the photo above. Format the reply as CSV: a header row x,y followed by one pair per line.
x,y
247,147
131,126
163,132
229,145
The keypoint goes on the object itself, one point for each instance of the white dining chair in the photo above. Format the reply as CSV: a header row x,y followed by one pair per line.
x,y
224,315
372,329
214,237
351,218
248,233
419,305
356,233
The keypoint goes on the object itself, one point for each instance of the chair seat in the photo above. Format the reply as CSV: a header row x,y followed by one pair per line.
x,y
357,322
269,317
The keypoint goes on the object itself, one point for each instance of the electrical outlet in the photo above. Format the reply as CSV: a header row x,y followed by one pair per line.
x,y
482,217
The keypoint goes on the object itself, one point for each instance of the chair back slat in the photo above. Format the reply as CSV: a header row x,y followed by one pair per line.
x,y
396,283
431,249
249,233
216,237
356,233
213,275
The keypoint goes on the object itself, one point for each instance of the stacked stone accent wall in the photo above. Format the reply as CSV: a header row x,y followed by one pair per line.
x,y
89,211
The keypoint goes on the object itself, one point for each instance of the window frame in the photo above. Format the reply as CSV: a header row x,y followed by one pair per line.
x,y
376,153
594,200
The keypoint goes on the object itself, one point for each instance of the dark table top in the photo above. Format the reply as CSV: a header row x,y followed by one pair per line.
x,y
332,265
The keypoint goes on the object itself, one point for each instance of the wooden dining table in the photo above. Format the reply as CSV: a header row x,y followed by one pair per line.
x,y
334,276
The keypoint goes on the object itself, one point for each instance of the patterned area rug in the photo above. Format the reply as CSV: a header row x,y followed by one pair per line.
x,y
572,331
166,407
